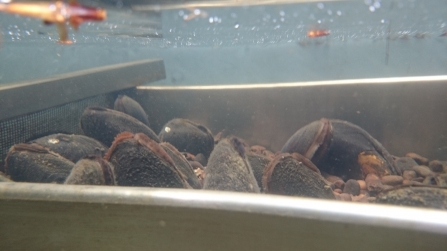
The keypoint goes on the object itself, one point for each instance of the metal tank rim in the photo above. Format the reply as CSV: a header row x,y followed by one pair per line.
x,y
383,216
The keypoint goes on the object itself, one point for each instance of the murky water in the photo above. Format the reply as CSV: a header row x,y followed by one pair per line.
x,y
240,44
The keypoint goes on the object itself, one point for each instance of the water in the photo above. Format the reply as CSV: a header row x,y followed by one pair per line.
x,y
355,130
240,44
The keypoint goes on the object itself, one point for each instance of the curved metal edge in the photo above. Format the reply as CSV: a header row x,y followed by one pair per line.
x,y
363,81
415,219
37,95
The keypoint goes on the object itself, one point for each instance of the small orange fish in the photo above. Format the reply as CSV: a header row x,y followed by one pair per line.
x,y
58,13
318,33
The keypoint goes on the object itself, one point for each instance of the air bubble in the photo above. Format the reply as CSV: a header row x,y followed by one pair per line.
x,y
329,12
282,13
372,8
211,20
320,6
197,12
236,26
338,13
368,2
181,13
382,21
376,5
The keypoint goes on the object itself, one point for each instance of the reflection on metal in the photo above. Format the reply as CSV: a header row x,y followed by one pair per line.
x,y
395,80
22,98
56,217
227,3
404,114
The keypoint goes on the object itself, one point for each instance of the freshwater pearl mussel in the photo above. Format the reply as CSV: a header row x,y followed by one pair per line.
x,y
327,159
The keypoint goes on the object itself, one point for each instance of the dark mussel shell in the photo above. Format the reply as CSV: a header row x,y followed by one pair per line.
x,y
293,174
140,161
421,196
131,107
92,170
182,165
258,163
341,148
72,147
35,163
104,124
188,136
311,141
228,168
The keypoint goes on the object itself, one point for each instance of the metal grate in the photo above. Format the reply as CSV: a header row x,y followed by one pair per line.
x,y
64,118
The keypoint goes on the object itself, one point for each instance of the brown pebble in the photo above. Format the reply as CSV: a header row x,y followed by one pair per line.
x,y
352,187
345,197
405,163
406,182
392,180
436,166
423,171
360,198
362,184
337,190
409,175
418,179
387,187
365,192
340,184
429,180
418,158
441,180
411,183
373,183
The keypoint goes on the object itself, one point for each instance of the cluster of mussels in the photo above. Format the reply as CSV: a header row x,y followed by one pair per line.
x,y
329,159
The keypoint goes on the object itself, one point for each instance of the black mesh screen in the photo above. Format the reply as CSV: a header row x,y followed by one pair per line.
x,y
64,118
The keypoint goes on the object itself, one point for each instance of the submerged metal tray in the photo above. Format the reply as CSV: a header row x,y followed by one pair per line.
x,y
64,217
31,96
403,113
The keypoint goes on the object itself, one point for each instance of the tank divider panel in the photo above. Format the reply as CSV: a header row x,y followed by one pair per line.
x,y
26,97
405,114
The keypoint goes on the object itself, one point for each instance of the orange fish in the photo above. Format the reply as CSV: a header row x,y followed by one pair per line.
x,y
58,13
317,33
